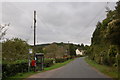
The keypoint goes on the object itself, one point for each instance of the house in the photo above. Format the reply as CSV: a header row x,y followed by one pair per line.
x,y
79,52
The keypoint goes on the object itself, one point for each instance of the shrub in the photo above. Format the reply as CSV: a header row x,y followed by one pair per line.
x,y
14,68
11,69
48,62
60,60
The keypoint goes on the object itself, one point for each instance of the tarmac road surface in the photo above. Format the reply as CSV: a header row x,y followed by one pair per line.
x,y
75,69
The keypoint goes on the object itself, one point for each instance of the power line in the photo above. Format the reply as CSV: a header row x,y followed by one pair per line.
x,y
98,14
28,17
44,23
94,19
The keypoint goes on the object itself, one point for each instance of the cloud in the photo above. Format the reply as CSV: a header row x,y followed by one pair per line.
x,y
56,21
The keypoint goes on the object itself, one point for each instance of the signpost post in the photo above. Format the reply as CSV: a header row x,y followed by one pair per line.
x,y
30,52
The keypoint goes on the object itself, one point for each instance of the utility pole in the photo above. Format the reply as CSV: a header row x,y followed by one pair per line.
x,y
34,38
34,32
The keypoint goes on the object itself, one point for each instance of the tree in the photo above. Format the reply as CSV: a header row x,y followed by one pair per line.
x,y
51,50
106,34
117,15
55,50
112,55
113,32
3,30
14,49
82,46
72,50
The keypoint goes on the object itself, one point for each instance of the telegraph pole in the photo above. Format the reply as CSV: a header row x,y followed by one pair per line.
x,y
34,38
34,32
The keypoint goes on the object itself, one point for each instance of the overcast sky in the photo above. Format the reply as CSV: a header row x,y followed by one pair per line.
x,y
56,21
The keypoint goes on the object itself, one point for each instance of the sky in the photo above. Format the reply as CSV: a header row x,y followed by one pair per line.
x,y
56,21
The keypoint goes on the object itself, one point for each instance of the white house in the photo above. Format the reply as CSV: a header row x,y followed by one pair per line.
x,y
79,52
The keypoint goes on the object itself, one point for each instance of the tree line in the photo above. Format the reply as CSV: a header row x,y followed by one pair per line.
x,y
105,41
16,49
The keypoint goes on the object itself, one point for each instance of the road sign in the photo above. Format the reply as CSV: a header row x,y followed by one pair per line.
x,y
30,51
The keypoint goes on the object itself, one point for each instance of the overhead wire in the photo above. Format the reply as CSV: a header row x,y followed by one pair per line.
x,y
28,19
44,23
96,16
39,18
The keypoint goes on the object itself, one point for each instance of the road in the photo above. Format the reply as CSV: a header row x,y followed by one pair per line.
x,y
75,69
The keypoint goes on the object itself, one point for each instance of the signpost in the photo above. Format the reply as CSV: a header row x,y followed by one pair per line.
x,y
30,52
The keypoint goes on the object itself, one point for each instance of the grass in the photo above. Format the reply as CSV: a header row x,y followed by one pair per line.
x,y
107,70
21,76
57,65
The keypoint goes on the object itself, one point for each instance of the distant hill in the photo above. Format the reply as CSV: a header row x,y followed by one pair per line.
x,y
59,49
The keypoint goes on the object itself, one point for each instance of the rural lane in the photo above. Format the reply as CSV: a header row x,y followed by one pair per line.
x,y
75,69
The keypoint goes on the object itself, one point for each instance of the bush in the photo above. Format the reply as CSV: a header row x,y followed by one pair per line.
x,y
48,62
60,60
14,49
12,69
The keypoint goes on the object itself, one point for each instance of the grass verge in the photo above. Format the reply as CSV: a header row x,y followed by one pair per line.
x,y
21,76
107,70
57,65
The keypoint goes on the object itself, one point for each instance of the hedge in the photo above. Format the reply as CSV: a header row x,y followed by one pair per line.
x,y
11,69
60,60
48,62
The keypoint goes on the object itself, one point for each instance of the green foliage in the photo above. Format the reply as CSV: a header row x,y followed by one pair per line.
x,y
60,60
112,52
14,68
72,50
113,32
21,66
105,39
117,15
14,57
48,62
14,49
108,70
59,49
87,50
113,28
54,51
